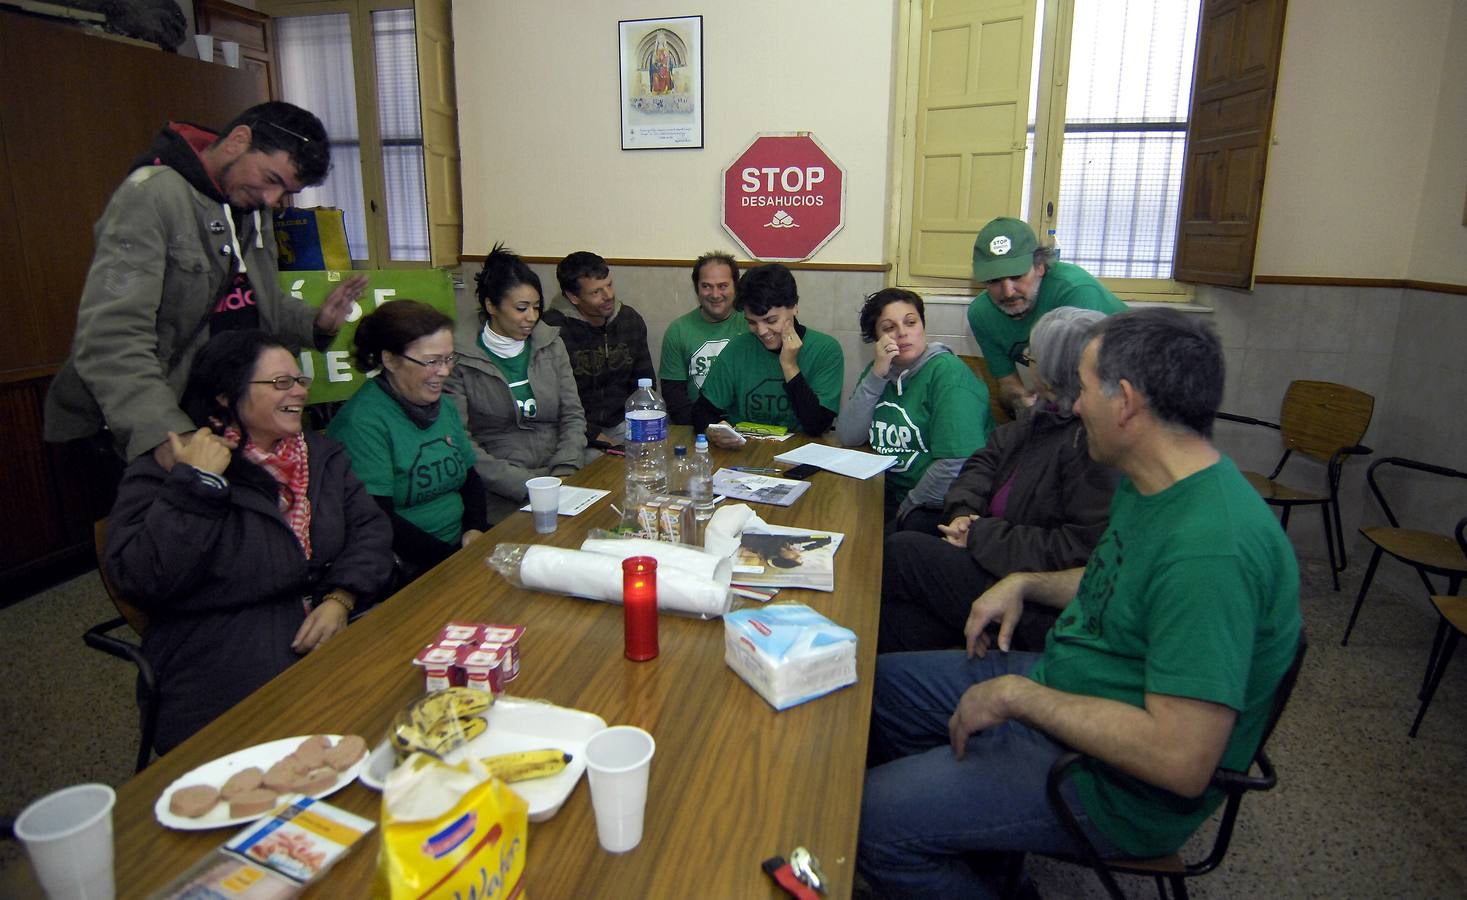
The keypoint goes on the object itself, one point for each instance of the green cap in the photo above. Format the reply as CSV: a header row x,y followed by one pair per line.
x,y
1004,249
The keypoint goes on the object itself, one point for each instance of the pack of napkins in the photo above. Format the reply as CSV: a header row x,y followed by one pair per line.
x,y
788,652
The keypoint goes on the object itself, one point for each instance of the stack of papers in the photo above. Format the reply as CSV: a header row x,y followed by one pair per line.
x,y
851,463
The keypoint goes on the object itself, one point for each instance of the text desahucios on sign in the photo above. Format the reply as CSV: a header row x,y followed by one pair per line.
x,y
783,197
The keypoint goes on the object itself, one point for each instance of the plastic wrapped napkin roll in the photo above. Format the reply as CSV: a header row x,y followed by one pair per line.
x,y
596,577
718,569
721,535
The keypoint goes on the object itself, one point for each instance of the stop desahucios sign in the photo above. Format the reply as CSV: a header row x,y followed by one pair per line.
x,y
783,197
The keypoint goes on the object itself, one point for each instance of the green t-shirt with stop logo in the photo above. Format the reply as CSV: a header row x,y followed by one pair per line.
x,y
748,385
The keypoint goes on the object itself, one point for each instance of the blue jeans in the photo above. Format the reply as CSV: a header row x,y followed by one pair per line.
x,y
924,813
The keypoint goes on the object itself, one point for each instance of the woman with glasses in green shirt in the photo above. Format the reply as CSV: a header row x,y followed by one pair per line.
x,y
407,443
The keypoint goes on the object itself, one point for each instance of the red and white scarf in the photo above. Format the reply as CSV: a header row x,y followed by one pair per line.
x,y
289,466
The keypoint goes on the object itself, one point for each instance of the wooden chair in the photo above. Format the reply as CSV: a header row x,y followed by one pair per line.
x,y
979,365
1453,613
1325,422
1428,552
100,637
1171,869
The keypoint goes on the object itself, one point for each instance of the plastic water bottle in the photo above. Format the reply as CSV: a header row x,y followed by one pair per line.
x,y
646,445
677,476
700,485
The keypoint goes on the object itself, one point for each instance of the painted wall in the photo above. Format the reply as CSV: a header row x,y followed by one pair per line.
x,y
539,125
1356,133
1440,250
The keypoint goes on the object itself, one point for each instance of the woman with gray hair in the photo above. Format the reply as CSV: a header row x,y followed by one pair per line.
x,y
1031,500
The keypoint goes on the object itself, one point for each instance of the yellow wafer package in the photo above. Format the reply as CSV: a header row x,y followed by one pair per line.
x,y
450,831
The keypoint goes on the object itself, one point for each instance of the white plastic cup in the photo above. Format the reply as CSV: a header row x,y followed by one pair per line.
x,y
618,761
544,502
230,51
204,43
68,835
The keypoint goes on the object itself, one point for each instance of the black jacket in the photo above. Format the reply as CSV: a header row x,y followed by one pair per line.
x,y
606,359
1057,508
222,576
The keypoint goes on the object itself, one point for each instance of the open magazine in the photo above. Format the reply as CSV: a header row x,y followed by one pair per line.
x,y
752,487
777,556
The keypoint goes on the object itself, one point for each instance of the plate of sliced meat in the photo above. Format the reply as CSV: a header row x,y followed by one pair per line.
x,y
253,782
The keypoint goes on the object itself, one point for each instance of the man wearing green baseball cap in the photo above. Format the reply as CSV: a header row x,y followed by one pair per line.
x,y
1021,282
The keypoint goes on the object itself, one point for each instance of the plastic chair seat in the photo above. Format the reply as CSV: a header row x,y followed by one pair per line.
x,y
1437,553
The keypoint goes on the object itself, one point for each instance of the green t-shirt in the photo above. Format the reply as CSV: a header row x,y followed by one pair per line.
x,y
1192,592
421,469
747,383
692,343
941,412
1003,340
516,374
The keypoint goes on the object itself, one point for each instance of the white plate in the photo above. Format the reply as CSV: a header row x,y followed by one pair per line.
x,y
516,725
217,772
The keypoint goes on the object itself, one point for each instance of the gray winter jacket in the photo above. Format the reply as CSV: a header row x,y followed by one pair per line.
x,y
511,448
164,253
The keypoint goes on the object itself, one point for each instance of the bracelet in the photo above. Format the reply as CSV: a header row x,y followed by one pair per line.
x,y
347,603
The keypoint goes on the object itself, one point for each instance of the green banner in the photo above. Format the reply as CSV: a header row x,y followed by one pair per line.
x,y
335,376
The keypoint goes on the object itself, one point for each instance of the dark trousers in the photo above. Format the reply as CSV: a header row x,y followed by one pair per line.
x,y
927,589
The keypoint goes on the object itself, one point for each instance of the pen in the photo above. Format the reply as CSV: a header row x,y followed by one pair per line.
x,y
751,469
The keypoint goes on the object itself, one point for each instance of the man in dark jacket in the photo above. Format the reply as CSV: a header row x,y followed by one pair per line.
x,y
607,342
184,250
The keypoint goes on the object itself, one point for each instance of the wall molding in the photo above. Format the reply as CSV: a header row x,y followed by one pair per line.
x,y
1406,283
688,263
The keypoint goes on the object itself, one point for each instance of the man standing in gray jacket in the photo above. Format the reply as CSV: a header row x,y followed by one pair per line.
x,y
184,250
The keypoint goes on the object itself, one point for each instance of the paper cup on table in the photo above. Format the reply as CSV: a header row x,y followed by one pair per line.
x,y
68,835
204,43
230,52
618,761
544,501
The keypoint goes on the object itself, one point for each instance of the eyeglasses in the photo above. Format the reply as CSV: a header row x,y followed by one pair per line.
x,y
1027,359
436,362
281,128
283,382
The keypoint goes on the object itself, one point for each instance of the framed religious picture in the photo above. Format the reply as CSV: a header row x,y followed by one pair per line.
x,y
661,83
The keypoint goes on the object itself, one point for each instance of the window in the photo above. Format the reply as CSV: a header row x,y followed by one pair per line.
x,y
1071,115
377,173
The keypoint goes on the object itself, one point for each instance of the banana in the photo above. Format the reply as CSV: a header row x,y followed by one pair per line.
x,y
526,764
441,721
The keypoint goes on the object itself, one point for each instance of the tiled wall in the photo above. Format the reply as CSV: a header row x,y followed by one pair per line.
x,y
1407,348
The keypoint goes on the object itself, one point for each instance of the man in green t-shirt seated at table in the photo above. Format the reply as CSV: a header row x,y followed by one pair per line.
x,y
694,340
1021,282
1162,666
778,373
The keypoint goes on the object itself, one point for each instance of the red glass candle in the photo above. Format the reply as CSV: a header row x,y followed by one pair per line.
x,y
639,606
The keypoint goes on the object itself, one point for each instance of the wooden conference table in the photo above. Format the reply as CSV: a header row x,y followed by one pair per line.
x,y
733,782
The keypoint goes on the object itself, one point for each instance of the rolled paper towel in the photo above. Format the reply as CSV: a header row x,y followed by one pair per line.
x,y
721,535
718,569
597,577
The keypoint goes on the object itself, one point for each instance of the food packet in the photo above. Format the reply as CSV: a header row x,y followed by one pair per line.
x,y
449,831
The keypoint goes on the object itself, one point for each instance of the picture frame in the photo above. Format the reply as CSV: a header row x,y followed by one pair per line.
x,y
661,78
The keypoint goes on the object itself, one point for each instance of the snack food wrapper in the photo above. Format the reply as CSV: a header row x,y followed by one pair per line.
x,y
788,652
449,832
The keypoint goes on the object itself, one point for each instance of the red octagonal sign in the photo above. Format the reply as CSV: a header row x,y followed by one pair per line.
x,y
783,197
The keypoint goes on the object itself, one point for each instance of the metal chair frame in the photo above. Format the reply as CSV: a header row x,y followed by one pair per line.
x,y
1329,507
101,637
1454,576
1168,870
1443,645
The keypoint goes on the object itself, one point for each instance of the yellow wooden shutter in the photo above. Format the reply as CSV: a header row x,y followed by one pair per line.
x,y
972,111
441,159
